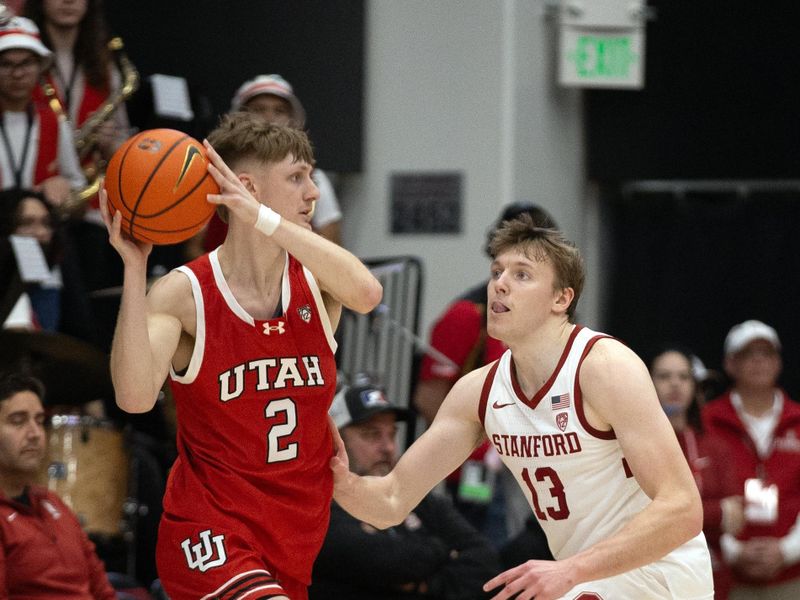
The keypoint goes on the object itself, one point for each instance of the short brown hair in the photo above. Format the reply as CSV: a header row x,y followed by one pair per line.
x,y
540,244
243,135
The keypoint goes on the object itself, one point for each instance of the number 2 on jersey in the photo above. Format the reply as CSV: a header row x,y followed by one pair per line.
x,y
556,490
278,450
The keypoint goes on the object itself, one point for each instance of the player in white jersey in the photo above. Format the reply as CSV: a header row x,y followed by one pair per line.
x,y
575,416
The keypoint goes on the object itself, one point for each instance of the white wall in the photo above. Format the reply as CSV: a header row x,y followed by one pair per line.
x,y
464,85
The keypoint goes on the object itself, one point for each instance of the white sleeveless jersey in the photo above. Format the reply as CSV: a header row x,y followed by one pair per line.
x,y
575,477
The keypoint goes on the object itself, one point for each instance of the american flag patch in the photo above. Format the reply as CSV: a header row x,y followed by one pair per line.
x,y
559,402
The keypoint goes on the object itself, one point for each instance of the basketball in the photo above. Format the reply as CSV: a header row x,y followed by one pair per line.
x,y
159,182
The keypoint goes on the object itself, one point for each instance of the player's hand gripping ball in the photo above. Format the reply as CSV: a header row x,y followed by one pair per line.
x,y
159,182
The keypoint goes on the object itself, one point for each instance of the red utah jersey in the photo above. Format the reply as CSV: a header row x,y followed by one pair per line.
x,y
254,443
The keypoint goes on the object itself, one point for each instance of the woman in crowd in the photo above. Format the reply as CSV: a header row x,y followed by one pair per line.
x,y
677,389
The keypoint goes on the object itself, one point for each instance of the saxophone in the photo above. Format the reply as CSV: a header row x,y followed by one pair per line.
x,y
86,135
77,198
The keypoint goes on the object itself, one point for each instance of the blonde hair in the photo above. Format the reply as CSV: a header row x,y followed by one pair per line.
x,y
242,136
543,244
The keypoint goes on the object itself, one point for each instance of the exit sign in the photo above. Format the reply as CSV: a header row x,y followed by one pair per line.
x,y
601,58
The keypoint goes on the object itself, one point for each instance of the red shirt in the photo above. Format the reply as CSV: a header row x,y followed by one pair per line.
x,y
781,466
708,459
254,443
460,334
45,553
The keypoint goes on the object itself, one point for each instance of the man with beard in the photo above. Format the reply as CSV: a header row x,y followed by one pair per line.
x,y
433,553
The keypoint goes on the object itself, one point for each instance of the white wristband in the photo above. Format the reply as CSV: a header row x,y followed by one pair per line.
x,y
267,221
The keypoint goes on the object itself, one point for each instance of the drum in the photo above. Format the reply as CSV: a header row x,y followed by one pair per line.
x,y
87,465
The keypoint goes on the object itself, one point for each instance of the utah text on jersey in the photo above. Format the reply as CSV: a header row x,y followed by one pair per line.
x,y
270,374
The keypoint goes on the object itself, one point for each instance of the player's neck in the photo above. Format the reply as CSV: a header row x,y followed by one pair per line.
x,y
245,248
255,263
536,358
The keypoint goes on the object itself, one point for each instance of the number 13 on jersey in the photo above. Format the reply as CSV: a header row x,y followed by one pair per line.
x,y
560,510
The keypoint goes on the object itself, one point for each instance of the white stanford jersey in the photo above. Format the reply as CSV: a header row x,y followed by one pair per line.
x,y
575,477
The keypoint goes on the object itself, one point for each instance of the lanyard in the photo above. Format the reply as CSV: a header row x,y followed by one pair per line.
x,y
18,169
67,85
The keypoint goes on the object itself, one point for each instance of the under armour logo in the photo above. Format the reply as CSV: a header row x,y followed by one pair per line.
x,y
268,329
201,556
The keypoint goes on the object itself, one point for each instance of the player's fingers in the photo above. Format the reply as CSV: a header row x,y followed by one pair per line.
x,y
104,206
216,175
216,161
496,581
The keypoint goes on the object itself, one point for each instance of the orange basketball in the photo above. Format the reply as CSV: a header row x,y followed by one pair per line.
x,y
159,182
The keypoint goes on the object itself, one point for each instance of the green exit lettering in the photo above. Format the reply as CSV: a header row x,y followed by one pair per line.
x,y
602,56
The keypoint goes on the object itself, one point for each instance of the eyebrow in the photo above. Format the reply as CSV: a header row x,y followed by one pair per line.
x,y
24,413
517,262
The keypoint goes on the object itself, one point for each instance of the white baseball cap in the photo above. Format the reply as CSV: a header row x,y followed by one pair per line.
x,y
19,33
742,334
274,85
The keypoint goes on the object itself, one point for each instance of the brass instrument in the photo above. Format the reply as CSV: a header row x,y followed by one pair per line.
x,y
86,135
77,198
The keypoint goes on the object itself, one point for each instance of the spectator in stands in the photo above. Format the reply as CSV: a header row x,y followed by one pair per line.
x,y
723,512
761,427
434,553
86,79
37,150
45,552
460,336
59,303
83,71
273,98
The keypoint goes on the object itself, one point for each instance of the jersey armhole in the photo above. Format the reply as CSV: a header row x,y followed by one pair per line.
x,y
321,310
487,387
200,333
603,435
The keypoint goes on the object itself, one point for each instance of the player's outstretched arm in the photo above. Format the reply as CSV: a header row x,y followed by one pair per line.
x,y
454,434
144,338
339,273
618,391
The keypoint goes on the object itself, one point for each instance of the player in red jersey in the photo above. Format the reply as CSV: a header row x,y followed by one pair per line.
x,y
245,334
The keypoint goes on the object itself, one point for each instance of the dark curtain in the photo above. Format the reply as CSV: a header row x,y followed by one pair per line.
x,y
685,268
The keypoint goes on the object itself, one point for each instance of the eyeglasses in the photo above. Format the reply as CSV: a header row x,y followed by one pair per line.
x,y
27,65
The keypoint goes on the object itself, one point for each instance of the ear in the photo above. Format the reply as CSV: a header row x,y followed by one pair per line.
x,y
248,180
563,299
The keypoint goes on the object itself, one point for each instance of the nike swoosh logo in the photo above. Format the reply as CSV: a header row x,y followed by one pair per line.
x,y
496,405
191,153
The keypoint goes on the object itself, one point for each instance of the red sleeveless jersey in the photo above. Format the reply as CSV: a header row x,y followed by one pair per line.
x,y
254,443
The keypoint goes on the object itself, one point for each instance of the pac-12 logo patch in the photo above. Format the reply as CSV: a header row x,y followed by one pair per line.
x,y
561,420
208,553
305,313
